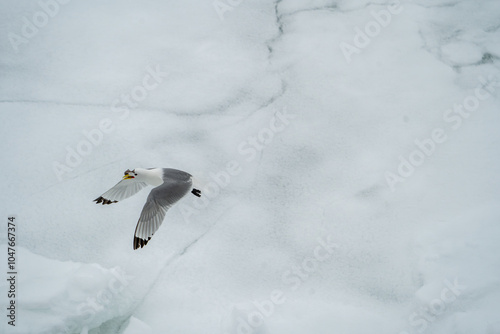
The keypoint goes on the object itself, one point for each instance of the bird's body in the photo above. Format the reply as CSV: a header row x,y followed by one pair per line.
x,y
170,186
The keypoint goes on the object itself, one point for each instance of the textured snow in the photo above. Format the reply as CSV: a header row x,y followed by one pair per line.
x,y
299,229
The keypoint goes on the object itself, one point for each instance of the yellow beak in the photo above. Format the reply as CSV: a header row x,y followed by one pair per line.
x,y
126,177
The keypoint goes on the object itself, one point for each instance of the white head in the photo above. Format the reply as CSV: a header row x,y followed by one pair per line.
x,y
130,174
152,176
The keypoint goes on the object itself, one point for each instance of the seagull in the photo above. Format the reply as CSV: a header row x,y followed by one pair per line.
x,y
170,186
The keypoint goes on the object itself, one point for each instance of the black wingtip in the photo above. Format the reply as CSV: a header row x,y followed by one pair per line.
x,y
139,243
196,192
103,200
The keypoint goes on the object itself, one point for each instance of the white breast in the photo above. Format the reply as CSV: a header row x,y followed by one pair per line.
x,y
152,177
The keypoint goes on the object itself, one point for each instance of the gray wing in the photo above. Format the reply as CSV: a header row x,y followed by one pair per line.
x,y
159,201
123,189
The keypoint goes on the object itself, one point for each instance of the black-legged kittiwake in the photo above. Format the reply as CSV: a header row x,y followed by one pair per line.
x,y
170,186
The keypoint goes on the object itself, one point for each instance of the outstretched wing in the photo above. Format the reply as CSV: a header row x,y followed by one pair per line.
x,y
159,201
123,189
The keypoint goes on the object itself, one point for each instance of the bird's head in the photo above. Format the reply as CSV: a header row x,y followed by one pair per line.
x,y
130,174
152,176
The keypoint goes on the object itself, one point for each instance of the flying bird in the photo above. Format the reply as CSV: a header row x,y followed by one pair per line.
x,y
170,186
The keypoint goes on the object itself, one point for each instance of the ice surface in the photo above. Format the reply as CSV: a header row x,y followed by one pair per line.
x,y
291,139
136,326
64,296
